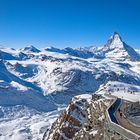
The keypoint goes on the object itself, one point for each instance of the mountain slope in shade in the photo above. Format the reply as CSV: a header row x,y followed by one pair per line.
x,y
78,52
31,49
6,56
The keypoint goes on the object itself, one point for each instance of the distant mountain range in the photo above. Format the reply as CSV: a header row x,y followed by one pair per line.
x,y
37,83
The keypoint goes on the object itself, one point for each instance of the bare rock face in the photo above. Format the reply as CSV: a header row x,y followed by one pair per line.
x,y
82,120
70,121
93,129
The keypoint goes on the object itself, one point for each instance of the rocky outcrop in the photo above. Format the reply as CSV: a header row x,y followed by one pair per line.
x,y
70,121
93,129
82,120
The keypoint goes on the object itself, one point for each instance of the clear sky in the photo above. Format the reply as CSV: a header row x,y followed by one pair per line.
x,y
68,23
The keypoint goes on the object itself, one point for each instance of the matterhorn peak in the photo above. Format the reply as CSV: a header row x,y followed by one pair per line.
x,y
115,41
116,47
116,37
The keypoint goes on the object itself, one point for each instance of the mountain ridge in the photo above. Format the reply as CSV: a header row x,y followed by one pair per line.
x,y
42,83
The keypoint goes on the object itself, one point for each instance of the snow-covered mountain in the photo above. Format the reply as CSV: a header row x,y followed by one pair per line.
x,y
37,84
116,48
30,49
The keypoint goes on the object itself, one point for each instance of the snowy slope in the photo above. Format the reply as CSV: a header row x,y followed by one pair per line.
x,y
35,82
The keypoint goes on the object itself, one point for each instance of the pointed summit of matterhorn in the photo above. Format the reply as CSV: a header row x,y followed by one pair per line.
x,y
115,41
116,37
116,48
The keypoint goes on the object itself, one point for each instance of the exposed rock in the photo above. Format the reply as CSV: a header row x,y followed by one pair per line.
x,y
70,121
93,129
84,119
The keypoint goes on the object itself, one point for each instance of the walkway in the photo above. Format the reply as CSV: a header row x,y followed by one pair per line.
x,y
124,122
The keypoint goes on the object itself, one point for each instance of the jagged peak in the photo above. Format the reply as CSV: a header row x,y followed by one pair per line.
x,y
31,48
115,41
115,45
116,36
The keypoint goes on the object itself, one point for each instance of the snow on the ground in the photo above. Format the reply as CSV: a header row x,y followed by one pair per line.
x,y
27,124
122,90
18,86
94,132
127,96
88,97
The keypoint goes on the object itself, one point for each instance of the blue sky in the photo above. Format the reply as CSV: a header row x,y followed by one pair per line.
x,y
68,23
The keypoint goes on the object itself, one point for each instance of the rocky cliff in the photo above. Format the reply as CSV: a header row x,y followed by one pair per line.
x,y
85,118
82,119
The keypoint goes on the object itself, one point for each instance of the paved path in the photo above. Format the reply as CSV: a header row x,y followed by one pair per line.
x,y
124,122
